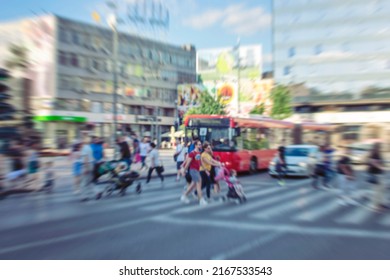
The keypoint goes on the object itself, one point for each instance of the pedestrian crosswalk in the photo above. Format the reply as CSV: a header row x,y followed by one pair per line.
x,y
296,203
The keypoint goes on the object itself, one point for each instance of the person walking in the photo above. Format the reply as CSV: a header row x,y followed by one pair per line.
x,y
155,164
98,156
281,164
144,150
319,168
33,165
49,177
346,178
77,165
376,178
330,173
18,164
207,162
193,162
124,151
180,154
87,189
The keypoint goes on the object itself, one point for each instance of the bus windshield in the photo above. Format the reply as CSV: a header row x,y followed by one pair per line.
x,y
220,138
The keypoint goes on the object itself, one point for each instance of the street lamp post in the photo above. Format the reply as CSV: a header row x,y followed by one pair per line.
x,y
113,24
237,49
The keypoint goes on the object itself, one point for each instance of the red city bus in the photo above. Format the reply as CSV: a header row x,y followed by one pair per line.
x,y
245,143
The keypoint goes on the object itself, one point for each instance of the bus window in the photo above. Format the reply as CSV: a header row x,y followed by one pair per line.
x,y
253,139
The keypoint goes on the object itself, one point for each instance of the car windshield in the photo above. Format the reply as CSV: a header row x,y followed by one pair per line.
x,y
297,152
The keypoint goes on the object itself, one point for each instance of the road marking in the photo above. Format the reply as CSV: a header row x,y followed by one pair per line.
x,y
68,237
234,253
313,214
283,228
306,199
197,208
283,195
355,216
385,221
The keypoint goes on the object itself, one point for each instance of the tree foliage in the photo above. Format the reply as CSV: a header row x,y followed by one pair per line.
x,y
208,105
258,109
281,103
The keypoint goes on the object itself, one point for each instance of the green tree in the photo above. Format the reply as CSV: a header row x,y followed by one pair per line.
x,y
281,103
258,109
208,106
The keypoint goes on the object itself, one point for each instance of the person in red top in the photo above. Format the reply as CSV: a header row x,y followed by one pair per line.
x,y
193,162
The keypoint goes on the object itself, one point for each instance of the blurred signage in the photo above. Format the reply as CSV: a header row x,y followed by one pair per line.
x,y
59,119
225,122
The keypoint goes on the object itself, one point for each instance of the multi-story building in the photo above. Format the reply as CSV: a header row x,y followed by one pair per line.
x,y
336,54
71,69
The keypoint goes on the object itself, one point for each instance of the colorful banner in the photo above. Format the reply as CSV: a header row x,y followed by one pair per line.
x,y
252,93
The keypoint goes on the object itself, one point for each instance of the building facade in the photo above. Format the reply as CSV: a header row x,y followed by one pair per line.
x,y
71,69
335,55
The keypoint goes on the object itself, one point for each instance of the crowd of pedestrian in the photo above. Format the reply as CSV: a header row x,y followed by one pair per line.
x,y
339,173
195,162
22,169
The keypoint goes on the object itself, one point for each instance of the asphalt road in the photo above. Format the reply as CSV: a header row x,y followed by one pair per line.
x,y
290,222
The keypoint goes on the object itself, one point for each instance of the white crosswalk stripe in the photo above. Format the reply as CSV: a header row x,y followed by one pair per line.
x,y
385,221
357,215
314,213
296,202
299,203
281,195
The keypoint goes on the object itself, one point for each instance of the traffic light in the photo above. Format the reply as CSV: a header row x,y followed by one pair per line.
x,y
6,110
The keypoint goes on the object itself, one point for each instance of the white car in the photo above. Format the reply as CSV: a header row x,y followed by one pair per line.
x,y
359,152
300,160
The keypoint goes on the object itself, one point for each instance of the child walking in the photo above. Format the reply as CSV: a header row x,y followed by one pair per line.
x,y
49,177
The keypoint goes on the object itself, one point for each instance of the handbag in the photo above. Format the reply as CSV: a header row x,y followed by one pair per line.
x,y
373,179
161,168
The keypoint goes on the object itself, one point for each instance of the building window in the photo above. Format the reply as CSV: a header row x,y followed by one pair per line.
x,y
75,38
74,60
287,70
318,49
63,35
95,64
97,107
291,52
149,111
63,58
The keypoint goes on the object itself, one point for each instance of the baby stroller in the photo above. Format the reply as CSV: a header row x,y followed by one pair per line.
x,y
121,179
104,170
235,189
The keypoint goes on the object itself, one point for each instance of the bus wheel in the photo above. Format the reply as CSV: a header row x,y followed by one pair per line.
x,y
253,166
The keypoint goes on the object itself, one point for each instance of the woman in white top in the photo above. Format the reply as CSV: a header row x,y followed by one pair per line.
x,y
181,152
155,164
144,150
